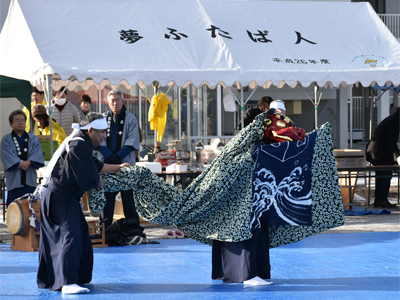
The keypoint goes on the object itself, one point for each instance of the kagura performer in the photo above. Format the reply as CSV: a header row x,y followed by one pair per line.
x,y
65,250
251,198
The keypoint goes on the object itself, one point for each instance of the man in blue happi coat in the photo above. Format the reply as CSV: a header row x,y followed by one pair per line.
x,y
21,155
120,146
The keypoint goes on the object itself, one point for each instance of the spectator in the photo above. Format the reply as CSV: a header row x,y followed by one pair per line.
x,y
37,98
42,126
120,146
64,112
251,113
382,150
279,106
84,104
21,155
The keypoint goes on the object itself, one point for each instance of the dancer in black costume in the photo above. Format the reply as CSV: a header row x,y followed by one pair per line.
x,y
66,253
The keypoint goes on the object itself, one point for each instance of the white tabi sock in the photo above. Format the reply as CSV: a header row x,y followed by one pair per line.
x,y
74,289
257,281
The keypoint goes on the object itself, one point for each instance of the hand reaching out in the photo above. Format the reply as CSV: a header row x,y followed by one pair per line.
x,y
124,165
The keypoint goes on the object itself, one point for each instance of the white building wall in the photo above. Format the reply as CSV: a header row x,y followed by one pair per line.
x,y
344,94
393,6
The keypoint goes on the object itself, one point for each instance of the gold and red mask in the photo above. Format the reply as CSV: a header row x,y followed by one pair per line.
x,y
280,128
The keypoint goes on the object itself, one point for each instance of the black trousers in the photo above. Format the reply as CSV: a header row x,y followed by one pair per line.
x,y
382,185
240,261
65,252
128,204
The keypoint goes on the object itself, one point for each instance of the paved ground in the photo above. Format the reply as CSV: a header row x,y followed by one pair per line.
x,y
360,260
324,266
362,223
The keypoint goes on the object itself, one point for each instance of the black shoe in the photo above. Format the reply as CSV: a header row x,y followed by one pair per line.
x,y
385,204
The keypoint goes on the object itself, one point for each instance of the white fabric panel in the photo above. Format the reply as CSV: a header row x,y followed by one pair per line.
x,y
82,38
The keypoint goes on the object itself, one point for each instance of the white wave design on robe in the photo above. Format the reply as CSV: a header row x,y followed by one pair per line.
x,y
268,192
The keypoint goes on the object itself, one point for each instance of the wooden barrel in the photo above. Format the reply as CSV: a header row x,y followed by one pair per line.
x,y
18,214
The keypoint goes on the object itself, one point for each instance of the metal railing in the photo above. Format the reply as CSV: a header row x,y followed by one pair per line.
x,y
392,21
356,119
358,114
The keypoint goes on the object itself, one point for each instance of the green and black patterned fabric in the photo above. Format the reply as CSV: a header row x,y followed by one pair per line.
x,y
217,204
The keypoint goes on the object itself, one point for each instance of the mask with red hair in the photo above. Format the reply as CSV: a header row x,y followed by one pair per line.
x,y
280,128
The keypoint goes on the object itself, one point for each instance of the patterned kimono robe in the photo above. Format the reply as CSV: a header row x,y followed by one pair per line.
x,y
218,203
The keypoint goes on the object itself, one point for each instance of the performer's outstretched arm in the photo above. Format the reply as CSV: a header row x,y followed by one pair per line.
x,y
108,168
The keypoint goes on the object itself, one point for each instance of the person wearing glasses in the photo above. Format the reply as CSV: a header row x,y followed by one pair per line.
x,y
21,155
120,146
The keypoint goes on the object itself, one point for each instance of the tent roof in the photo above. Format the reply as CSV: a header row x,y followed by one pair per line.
x,y
14,88
199,41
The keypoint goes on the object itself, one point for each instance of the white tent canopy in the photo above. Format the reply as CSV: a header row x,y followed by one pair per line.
x,y
199,41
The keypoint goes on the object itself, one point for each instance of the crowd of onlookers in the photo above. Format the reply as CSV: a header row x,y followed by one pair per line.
x,y
21,150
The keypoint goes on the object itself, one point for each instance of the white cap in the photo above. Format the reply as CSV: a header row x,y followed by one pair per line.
x,y
277,104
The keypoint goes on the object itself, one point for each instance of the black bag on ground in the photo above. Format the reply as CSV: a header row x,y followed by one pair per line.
x,y
121,230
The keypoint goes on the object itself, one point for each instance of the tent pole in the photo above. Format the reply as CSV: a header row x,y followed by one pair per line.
x,y
219,110
179,114
241,107
248,98
99,102
351,122
188,110
49,80
314,102
316,105
371,109
140,108
155,87
371,102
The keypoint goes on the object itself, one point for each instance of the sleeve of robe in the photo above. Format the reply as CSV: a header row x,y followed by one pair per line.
x,y
35,153
83,166
131,137
9,155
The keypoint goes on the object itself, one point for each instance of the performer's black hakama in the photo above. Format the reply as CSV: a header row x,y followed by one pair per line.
x,y
241,261
66,253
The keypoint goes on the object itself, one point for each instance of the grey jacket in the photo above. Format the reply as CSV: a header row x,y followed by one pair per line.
x,y
67,116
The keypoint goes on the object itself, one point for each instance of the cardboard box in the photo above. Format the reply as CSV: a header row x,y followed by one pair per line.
x,y
45,144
